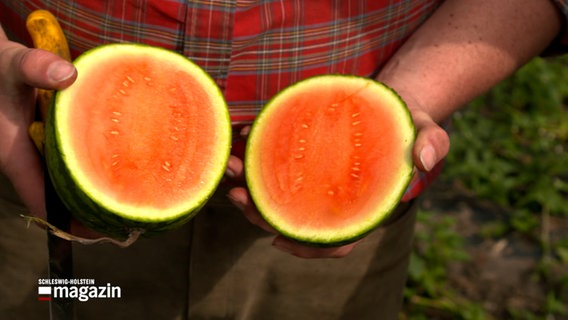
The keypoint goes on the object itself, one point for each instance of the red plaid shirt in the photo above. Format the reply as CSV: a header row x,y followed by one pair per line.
x,y
253,49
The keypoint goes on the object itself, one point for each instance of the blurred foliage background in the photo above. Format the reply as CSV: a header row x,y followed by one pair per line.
x,y
509,160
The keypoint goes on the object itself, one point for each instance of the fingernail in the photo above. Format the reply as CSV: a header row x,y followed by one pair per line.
x,y
245,131
229,173
60,71
428,157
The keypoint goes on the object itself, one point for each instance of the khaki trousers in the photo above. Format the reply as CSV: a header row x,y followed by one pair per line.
x,y
218,266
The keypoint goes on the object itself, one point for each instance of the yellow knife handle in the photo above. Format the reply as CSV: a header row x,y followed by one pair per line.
x,y
46,34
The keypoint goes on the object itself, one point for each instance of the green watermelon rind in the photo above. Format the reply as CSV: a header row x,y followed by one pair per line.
x,y
326,241
91,212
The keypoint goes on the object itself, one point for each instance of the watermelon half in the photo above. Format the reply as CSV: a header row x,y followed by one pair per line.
x,y
329,158
139,141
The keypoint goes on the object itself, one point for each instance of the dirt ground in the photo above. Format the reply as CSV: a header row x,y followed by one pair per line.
x,y
502,271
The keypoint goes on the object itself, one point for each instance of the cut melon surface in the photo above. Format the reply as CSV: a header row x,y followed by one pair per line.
x,y
144,135
329,158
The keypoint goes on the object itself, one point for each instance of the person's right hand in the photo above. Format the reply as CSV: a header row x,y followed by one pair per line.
x,y
21,71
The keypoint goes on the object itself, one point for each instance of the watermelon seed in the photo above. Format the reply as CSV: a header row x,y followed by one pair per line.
x,y
358,134
330,192
166,166
149,81
130,79
122,92
125,83
114,120
174,138
114,164
354,175
298,156
305,126
116,113
298,182
355,123
114,132
302,141
355,115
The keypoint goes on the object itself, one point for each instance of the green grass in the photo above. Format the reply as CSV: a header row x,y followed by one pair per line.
x,y
510,148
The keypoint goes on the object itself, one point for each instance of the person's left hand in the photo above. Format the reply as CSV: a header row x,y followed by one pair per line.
x,y
22,70
431,146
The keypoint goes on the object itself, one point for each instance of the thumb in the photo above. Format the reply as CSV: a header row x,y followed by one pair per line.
x,y
432,142
37,68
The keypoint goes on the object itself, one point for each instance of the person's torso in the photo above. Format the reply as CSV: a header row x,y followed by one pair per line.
x,y
253,49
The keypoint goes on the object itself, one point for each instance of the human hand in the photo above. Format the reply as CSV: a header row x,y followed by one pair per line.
x,y
432,144
432,141
21,71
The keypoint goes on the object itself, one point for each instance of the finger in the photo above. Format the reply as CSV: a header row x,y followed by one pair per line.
x,y
36,68
432,142
241,199
307,252
245,131
43,69
432,145
235,168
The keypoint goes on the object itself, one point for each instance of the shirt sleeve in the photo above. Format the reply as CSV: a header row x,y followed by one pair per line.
x,y
560,45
